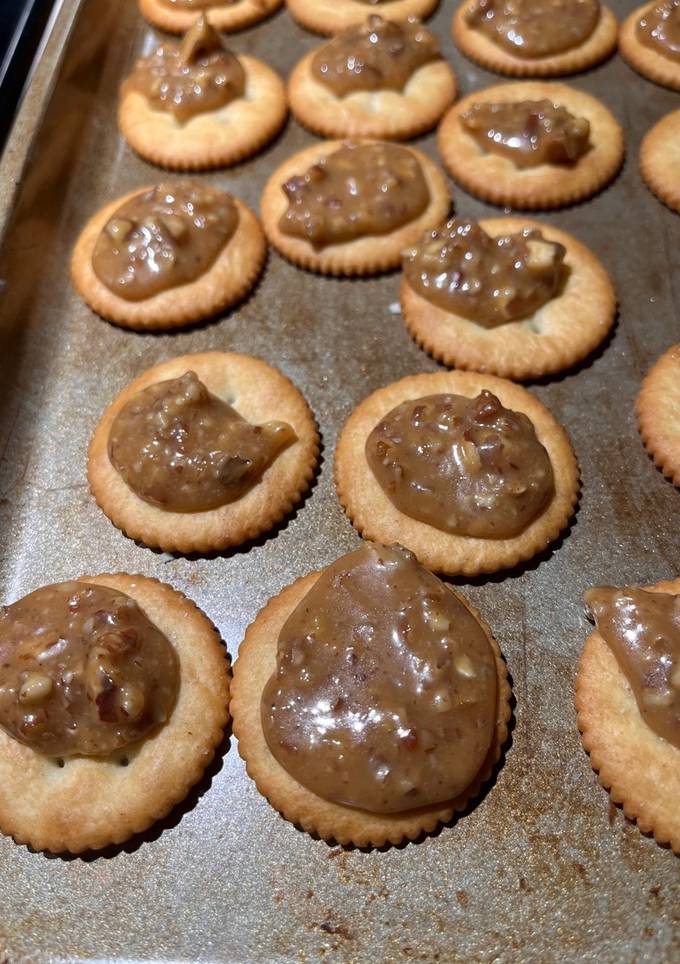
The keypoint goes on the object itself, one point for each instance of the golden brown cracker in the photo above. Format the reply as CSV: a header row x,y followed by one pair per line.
x,y
331,16
652,65
480,48
496,179
658,411
216,138
332,821
660,160
259,393
375,517
383,114
363,256
87,803
224,17
229,279
560,334
640,769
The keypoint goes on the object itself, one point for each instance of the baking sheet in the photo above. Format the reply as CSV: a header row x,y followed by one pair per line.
x,y
542,867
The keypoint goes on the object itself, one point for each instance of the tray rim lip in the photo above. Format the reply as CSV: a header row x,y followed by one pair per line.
x,y
32,108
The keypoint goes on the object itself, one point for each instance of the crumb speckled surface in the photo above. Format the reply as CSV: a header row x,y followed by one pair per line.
x,y
543,868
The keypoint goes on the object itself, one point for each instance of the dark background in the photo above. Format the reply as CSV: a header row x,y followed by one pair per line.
x,y
21,25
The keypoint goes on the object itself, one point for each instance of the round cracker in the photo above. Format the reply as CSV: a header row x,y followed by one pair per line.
x,y
333,821
652,65
259,393
496,179
86,803
331,16
658,411
228,280
375,517
561,333
215,138
226,17
482,49
660,160
371,254
383,114
640,769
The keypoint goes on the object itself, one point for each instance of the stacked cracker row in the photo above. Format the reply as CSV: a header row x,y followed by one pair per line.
x,y
562,333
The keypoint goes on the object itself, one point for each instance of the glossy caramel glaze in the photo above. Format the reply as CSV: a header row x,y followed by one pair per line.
x,y
82,670
535,28
467,466
167,236
642,629
375,55
385,691
528,132
659,29
356,191
192,77
488,280
181,448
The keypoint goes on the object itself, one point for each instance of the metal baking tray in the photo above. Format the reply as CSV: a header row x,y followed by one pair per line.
x,y
542,867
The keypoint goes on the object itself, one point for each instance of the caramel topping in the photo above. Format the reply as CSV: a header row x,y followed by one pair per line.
x,y
488,280
467,466
642,629
82,670
186,79
385,690
163,238
357,191
375,55
528,132
659,29
181,448
535,28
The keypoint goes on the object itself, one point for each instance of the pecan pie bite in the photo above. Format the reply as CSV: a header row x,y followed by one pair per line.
x,y
649,40
113,688
535,38
202,452
350,208
628,702
194,105
531,145
468,471
168,256
505,295
378,78
370,701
